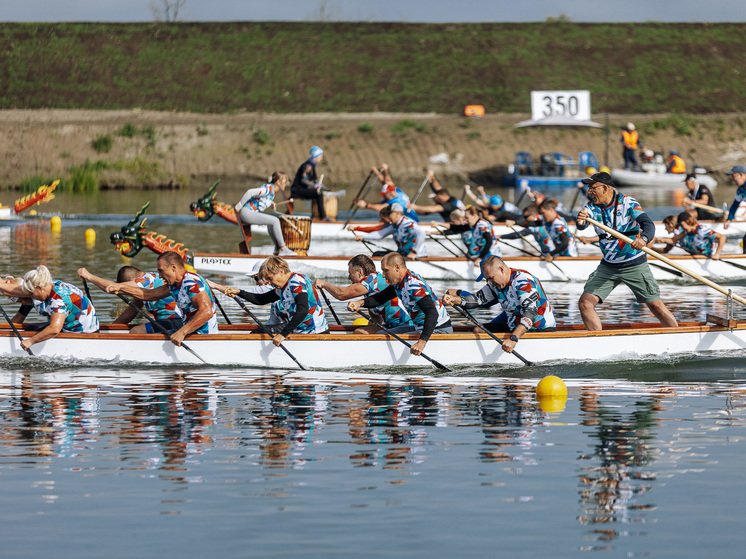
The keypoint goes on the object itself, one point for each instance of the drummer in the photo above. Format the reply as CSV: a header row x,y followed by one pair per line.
x,y
297,301
250,209
409,237
66,306
193,296
523,300
165,311
306,184
428,314
361,271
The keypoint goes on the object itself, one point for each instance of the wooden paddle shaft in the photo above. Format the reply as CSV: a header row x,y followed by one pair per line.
x,y
668,261
703,206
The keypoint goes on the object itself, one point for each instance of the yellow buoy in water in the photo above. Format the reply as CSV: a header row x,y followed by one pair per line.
x,y
90,236
55,224
552,386
552,404
360,321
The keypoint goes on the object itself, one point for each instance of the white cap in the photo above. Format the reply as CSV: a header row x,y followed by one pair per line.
x,y
397,208
255,270
630,126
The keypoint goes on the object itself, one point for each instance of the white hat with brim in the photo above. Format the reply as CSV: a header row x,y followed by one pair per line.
x,y
255,270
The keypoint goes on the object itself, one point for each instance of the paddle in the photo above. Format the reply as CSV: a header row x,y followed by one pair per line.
x,y
444,246
538,254
367,244
420,189
87,291
692,253
523,193
156,326
462,251
406,343
328,304
664,259
575,199
222,311
710,209
360,195
15,330
264,328
653,264
464,311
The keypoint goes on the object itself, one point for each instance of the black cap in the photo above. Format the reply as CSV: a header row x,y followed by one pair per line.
x,y
690,176
601,177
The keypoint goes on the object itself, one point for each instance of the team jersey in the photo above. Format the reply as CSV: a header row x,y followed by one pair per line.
x,y
558,229
523,301
183,292
257,199
80,316
403,200
407,235
475,242
621,215
410,290
315,321
540,233
391,313
702,241
162,309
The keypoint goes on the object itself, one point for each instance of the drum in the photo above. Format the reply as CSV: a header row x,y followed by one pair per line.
x,y
296,230
331,206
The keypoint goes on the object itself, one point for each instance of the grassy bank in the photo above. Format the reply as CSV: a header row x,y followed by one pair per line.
x,y
313,67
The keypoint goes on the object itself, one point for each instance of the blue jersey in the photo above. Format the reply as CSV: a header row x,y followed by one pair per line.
x,y
185,291
621,215
68,300
558,230
315,321
403,200
410,290
391,313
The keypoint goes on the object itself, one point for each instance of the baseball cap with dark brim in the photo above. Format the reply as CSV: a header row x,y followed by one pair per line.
x,y
737,169
602,177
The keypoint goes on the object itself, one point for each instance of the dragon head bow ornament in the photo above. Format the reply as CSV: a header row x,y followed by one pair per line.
x,y
131,238
208,205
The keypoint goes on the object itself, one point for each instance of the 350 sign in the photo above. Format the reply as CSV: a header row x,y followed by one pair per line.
x,y
569,104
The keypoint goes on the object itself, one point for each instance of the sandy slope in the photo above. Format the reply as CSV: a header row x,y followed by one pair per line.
x,y
233,146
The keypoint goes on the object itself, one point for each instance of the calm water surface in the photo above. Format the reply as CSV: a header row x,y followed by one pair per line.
x,y
645,459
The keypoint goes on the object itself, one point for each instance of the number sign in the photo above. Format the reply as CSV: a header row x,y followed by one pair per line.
x,y
568,104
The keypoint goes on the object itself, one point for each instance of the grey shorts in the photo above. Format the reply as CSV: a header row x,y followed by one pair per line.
x,y
638,278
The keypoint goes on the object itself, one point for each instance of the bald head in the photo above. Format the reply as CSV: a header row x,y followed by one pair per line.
x,y
393,267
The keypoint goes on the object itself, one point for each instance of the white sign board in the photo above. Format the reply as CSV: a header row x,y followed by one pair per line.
x,y
569,104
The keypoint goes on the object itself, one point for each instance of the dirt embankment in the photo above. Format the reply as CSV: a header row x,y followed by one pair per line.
x,y
142,148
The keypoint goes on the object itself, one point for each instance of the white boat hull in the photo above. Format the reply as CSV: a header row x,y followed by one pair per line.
x,y
561,269
624,177
345,350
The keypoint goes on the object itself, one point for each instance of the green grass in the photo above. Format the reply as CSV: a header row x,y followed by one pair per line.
x,y
102,144
314,67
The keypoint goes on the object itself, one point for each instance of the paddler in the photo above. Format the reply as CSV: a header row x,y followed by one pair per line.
x,y
306,184
165,311
66,306
193,296
476,233
429,315
361,271
697,238
294,298
409,237
250,209
525,305
622,262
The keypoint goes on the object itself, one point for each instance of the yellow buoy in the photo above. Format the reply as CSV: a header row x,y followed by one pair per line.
x,y
360,321
90,236
551,385
55,224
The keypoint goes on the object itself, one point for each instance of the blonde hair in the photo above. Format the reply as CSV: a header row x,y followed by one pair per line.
x,y
38,277
274,265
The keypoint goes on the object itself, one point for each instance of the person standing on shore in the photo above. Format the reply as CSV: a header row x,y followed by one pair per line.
x,y
306,184
622,262
630,139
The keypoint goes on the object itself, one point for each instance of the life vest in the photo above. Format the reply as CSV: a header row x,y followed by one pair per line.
x,y
676,165
630,138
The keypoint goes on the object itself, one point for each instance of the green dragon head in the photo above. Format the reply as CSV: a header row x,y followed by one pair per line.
x,y
202,208
129,239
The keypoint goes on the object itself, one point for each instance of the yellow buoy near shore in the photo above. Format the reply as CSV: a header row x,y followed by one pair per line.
x,y
55,224
90,236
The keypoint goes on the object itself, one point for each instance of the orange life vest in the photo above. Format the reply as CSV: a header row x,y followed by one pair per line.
x,y
676,165
630,138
